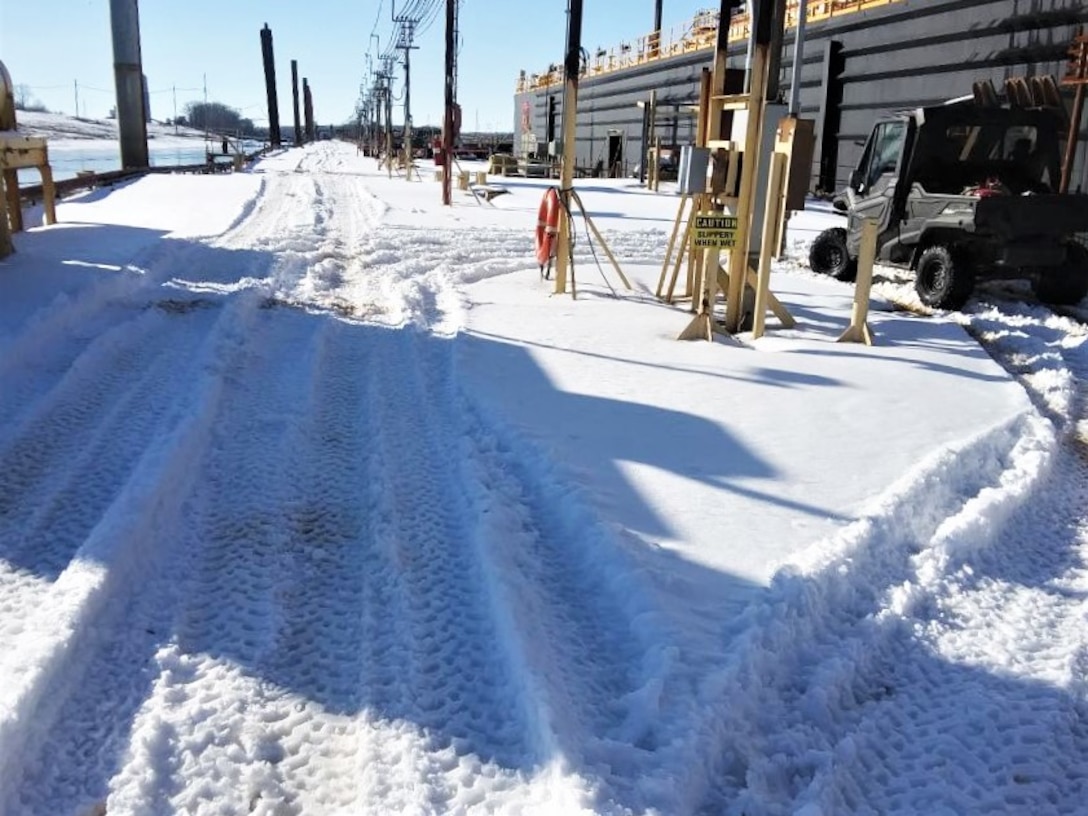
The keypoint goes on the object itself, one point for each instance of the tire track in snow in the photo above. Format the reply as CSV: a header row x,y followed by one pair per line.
x,y
577,620
63,468
214,702
800,662
957,683
999,612
78,618
458,696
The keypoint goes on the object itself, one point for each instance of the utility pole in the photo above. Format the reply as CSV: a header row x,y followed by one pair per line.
x,y
389,122
129,80
174,88
404,43
76,83
379,106
448,124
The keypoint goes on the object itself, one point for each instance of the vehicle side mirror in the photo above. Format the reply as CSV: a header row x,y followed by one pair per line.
x,y
855,179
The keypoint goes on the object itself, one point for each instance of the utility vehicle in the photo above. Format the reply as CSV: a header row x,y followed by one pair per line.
x,y
964,192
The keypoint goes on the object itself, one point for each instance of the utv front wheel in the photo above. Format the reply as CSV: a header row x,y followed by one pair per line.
x,y
942,280
829,256
1067,284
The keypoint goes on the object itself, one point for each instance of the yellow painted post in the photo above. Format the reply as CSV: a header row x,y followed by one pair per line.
x,y
689,278
696,258
49,194
766,250
15,208
859,331
566,181
49,190
699,203
6,247
462,181
738,256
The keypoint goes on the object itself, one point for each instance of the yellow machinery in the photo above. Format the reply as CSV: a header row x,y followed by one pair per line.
x,y
17,152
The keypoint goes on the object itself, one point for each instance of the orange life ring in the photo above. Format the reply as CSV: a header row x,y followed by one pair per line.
x,y
547,226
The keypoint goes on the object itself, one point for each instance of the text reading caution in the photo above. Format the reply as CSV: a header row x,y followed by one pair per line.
x,y
713,230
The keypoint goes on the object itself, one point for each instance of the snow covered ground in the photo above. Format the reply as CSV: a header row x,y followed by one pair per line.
x,y
313,499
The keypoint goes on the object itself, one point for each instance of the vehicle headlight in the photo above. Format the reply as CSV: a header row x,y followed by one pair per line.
x,y
959,208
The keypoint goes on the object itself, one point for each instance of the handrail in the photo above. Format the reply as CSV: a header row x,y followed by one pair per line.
x,y
698,34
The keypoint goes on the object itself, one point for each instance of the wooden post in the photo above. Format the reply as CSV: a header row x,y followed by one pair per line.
x,y
707,262
11,192
49,194
693,281
738,256
672,242
766,250
711,259
859,331
689,237
270,86
6,247
572,65
294,102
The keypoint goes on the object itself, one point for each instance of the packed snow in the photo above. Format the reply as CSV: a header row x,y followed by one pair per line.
x,y
315,499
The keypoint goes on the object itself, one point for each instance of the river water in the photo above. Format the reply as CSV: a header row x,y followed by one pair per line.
x,y
69,158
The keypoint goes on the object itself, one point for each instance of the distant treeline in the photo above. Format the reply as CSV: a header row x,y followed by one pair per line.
x,y
216,116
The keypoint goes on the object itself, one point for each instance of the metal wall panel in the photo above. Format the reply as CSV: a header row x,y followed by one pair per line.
x,y
904,55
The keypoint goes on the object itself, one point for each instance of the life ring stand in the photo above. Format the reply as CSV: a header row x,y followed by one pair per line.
x,y
547,230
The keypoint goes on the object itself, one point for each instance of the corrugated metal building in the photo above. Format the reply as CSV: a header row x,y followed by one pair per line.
x,y
860,58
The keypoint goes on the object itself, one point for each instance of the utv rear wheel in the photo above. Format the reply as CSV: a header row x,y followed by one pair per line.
x,y
829,256
1067,284
943,280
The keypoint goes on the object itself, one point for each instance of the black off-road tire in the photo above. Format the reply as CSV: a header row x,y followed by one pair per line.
x,y
1068,284
942,279
829,256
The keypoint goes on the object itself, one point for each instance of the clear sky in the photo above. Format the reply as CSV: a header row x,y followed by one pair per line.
x,y
50,45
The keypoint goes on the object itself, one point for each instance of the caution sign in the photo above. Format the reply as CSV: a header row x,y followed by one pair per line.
x,y
715,231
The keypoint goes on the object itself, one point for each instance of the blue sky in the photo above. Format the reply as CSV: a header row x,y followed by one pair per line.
x,y
49,45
